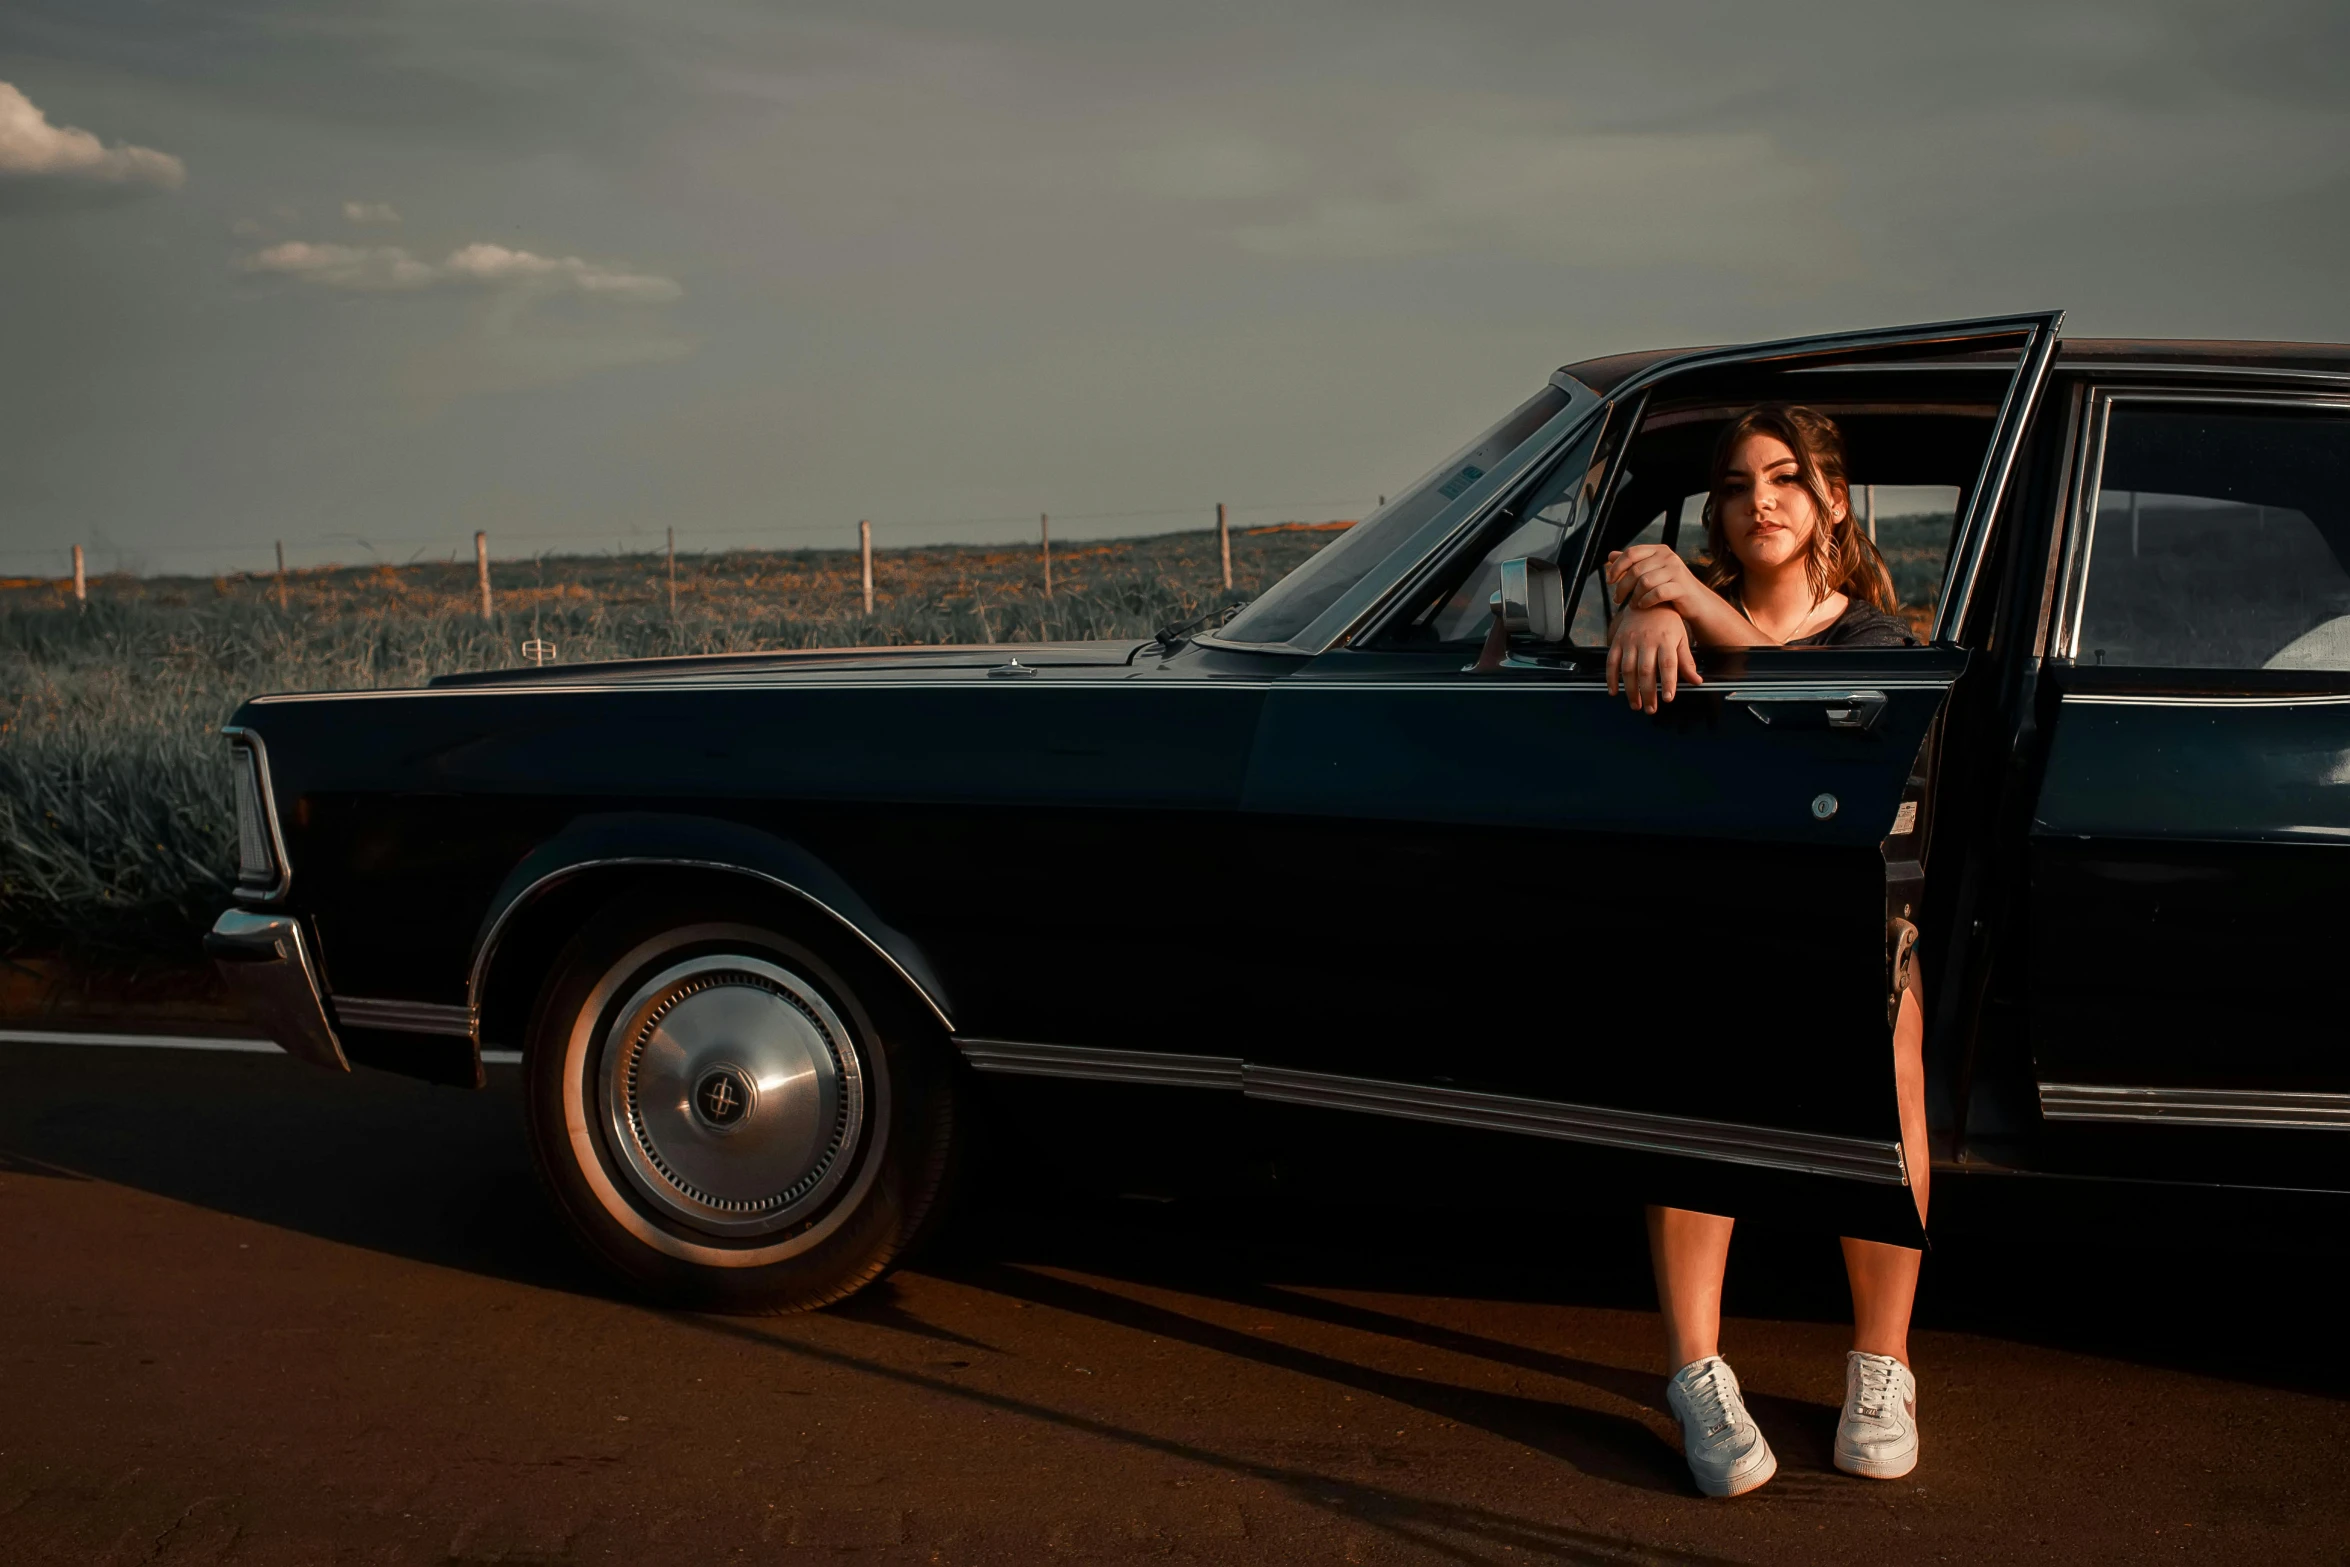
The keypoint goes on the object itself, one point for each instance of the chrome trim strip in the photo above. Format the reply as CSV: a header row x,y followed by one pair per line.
x,y
1973,531
1848,1158
2257,1107
2048,619
2223,699
2080,505
241,738
1125,679
403,1017
1749,690
1983,367
489,946
2129,368
1445,682
1277,649
1013,1058
1832,344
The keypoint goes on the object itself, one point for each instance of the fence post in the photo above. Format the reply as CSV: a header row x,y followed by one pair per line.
x,y
1224,542
672,571
1044,523
865,551
81,583
481,568
281,574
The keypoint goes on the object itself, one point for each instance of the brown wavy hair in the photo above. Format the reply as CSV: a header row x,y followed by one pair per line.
x,y
1840,555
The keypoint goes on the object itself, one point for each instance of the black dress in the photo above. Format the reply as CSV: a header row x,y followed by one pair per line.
x,y
1861,625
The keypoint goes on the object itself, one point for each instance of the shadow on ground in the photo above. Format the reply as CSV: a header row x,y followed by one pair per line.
x,y
442,1176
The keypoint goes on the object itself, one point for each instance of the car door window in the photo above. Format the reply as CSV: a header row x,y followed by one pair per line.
x,y
2221,540
1547,526
1911,525
1909,450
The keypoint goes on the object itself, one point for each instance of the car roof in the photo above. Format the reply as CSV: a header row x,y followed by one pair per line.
x,y
1605,374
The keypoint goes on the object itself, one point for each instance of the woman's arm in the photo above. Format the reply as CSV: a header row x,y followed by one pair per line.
x,y
1648,656
1650,576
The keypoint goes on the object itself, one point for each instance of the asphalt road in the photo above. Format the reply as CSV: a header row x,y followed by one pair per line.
x,y
254,1313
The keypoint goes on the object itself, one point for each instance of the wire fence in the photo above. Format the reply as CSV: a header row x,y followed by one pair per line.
x,y
105,556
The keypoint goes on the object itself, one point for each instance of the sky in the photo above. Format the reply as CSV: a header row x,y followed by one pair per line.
x,y
365,277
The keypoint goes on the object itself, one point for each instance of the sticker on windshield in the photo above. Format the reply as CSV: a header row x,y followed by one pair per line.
x,y
1451,488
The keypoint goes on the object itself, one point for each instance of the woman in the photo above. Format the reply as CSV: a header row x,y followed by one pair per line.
x,y
1787,568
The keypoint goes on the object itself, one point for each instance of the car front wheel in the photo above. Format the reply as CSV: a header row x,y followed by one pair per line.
x,y
727,1116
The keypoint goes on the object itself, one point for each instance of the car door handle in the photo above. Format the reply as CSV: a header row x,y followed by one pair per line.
x,y
1854,710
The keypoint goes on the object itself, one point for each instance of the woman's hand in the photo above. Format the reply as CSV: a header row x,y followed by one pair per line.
x,y
1648,655
1650,576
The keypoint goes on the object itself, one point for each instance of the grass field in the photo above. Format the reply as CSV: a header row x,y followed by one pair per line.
x,y
117,833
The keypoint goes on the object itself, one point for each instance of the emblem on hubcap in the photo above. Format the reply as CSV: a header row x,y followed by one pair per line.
x,y
722,1097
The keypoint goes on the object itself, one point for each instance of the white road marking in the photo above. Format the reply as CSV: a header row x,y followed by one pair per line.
x,y
35,1036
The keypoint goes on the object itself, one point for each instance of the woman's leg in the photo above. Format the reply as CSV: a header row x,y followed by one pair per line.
x,y
1885,1278
1690,1252
1725,1449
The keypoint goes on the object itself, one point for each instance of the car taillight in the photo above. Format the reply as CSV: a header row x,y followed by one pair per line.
x,y
256,844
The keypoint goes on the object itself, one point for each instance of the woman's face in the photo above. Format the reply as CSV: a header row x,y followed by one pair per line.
x,y
1767,515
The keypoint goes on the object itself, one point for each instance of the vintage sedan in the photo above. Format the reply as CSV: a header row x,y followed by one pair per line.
x,y
1321,892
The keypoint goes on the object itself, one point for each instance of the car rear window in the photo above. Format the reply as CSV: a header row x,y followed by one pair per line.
x,y
2221,541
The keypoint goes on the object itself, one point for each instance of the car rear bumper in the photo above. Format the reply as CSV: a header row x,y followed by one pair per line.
x,y
266,965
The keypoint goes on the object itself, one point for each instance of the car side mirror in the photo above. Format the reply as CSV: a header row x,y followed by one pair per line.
x,y
1532,600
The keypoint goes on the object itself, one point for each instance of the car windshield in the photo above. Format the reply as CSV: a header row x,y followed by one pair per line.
x,y
1293,603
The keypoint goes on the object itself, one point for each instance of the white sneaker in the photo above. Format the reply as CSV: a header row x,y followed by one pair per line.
x,y
1878,1436
1726,1451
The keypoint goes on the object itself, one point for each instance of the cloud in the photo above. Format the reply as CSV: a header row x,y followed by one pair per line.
x,y
392,269
370,212
33,149
365,267
497,264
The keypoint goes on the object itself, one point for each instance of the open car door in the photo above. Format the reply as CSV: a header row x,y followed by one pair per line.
x,y
1663,945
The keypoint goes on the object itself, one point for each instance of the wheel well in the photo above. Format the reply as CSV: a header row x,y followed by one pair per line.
x,y
537,930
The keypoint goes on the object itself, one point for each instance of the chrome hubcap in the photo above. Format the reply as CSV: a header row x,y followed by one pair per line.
x,y
733,1094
